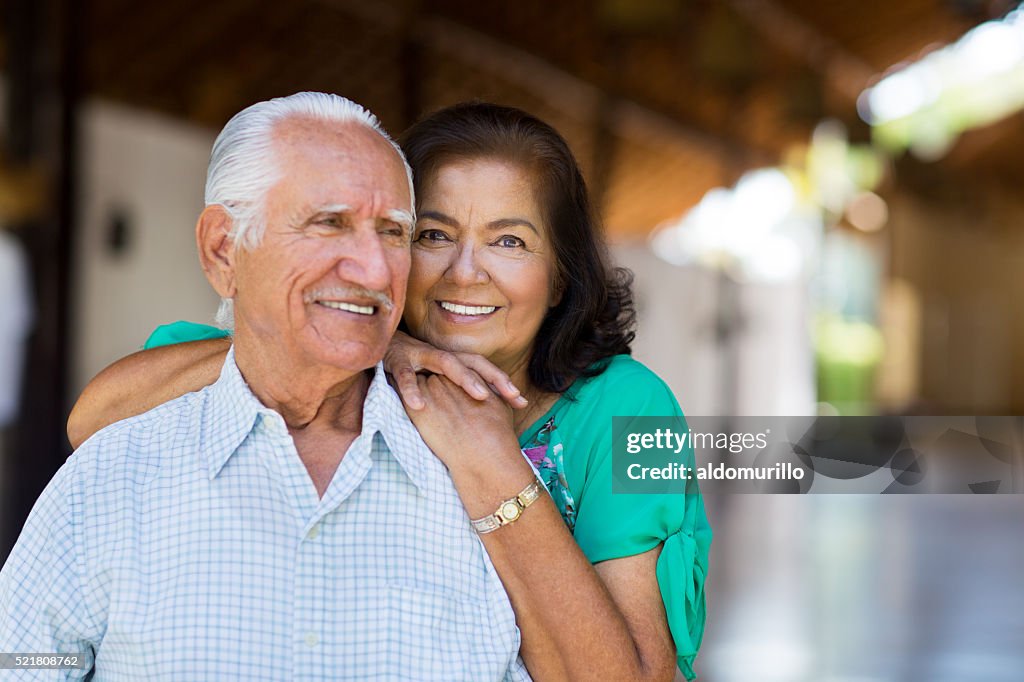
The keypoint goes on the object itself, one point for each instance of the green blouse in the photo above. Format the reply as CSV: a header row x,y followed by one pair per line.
x,y
571,447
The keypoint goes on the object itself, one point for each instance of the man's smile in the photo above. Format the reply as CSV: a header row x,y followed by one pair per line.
x,y
350,307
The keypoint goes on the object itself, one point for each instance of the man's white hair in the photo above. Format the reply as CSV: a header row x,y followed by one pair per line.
x,y
243,166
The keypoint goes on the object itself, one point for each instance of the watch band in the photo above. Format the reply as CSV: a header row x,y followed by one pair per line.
x,y
509,510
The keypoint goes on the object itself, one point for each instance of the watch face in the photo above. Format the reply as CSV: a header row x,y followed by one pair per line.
x,y
510,510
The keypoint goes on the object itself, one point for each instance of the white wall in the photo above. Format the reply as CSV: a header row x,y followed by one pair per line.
x,y
152,168
676,310
765,367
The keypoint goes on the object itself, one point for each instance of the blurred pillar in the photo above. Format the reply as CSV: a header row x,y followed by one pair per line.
x,y
604,143
44,57
412,55
603,138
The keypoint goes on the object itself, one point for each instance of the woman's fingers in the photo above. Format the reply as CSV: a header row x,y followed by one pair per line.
x,y
473,373
406,381
459,373
497,379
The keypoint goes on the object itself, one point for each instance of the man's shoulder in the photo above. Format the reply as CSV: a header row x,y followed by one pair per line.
x,y
165,430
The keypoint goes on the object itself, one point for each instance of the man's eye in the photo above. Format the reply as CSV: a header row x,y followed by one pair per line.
x,y
393,230
510,242
329,221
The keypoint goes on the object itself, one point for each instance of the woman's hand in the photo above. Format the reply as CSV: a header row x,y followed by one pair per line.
x,y
406,357
460,428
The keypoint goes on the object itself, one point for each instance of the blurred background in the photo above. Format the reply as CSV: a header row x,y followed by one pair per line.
x,y
822,203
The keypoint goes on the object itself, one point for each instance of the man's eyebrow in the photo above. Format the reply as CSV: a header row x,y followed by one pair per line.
x,y
397,215
333,208
403,218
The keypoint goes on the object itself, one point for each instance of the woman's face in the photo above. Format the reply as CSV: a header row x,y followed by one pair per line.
x,y
483,271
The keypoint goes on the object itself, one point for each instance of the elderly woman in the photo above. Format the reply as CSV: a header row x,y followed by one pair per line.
x,y
509,286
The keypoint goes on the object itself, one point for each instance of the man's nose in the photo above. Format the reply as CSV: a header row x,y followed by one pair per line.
x,y
364,261
466,268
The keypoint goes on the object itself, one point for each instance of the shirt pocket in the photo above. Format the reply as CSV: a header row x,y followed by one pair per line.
x,y
435,635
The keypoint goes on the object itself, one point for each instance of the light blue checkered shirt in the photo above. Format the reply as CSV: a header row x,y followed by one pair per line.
x,y
190,544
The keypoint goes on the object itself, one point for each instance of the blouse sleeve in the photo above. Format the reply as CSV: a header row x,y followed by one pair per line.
x,y
614,525
182,332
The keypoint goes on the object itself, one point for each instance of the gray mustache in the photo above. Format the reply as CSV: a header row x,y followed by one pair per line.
x,y
357,294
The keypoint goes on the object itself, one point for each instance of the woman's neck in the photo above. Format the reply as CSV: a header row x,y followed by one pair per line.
x,y
540,401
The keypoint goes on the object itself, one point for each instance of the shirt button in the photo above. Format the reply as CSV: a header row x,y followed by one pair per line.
x,y
313,532
312,640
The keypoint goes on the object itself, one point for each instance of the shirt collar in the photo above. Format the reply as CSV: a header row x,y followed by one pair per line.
x,y
231,412
384,413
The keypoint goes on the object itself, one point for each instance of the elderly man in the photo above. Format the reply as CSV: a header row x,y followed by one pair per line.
x,y
287,522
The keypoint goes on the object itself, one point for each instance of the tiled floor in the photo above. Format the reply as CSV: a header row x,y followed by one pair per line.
x,y
845,588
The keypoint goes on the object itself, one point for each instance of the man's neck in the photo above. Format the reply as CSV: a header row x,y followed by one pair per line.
x,y
323,407
303,394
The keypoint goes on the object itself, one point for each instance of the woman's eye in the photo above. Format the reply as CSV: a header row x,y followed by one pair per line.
x,y
432,236
510,242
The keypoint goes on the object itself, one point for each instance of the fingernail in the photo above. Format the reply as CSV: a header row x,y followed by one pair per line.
x,y
511,386
522,401
480,389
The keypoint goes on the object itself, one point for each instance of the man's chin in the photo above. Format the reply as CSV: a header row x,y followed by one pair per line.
x,y
349,356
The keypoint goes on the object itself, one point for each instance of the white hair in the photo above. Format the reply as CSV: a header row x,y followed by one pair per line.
x,y
243,166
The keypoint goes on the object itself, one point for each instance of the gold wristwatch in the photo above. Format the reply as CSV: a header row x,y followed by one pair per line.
x,y
509,510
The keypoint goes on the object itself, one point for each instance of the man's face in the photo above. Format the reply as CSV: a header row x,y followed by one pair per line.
x,y
326,286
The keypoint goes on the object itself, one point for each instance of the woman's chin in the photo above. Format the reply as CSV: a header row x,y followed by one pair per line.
x,y
457,343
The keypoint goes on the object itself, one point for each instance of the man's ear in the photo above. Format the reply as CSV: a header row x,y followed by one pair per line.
x,y
217,249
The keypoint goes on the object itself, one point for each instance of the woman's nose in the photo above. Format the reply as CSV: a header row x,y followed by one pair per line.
x,y
466,268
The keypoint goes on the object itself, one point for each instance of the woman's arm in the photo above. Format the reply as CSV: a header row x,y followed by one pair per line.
x,y
578,621
143,380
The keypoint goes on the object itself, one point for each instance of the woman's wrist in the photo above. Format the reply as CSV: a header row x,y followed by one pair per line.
x,y
493,476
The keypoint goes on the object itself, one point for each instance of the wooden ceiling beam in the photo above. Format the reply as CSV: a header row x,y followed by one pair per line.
x,y
560,89
210,28
847,73
132,32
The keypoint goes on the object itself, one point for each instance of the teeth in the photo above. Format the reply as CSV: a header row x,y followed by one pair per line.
x,y
468,309
350,307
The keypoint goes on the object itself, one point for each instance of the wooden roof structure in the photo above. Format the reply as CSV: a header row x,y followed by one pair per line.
x,y
661,99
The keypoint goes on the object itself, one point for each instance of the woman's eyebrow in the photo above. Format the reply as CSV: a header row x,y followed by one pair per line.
x,y
499,224
439,217
505,223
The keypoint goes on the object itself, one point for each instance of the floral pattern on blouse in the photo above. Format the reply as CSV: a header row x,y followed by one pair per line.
x,y
545,452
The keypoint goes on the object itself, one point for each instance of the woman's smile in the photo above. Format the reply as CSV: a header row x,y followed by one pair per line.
x,y
465,313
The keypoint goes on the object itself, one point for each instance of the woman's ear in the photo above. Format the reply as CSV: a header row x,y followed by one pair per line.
x,y
217,249
557,290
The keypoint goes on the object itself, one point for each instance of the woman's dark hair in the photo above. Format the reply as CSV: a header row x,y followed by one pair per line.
x,y
595,318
